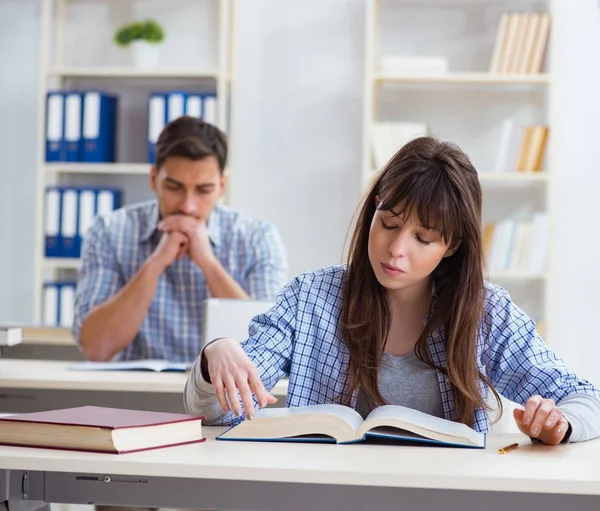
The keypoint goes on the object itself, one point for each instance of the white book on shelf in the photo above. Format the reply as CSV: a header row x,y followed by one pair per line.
x,y
522,246
509,43
519,42
536,62
509,145
501,34
506,245
531,29
494,248
503,157
539,241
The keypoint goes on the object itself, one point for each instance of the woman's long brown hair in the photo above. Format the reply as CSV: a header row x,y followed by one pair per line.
x,y
437,181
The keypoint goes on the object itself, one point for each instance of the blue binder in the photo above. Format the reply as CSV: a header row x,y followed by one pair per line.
x,y
52,222
176,104
66,303
92,202
55,108
73,126
86,212
209,108
99,127
58,301
107,200
50,306
193,105
69,223
157,119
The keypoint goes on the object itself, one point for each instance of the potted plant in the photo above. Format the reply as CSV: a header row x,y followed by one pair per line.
x,y
143,38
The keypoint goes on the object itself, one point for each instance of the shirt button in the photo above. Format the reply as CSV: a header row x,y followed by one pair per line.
x,y
182,288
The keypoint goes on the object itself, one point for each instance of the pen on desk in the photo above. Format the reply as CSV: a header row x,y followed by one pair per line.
x,y
508,448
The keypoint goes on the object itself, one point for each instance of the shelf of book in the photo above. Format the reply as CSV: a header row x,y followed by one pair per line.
x,y
511,176
496,104
61,263
78,57
124,72
98,168
508,275
467,78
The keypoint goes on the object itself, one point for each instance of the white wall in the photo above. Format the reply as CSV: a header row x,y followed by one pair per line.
x,y
297,145
297,128
576,247
19,62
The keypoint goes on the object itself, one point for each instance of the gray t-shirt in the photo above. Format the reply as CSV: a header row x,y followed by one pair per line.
x,y
406,381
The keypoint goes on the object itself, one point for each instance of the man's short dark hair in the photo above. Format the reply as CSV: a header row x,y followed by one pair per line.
x,y
190,137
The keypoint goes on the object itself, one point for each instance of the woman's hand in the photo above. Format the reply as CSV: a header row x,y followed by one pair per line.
x,y
231,371
541,419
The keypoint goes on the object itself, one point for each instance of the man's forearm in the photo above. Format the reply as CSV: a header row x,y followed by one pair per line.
x,y
220,283
113,325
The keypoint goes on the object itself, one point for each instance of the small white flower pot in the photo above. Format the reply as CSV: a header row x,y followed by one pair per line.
x,y
144,54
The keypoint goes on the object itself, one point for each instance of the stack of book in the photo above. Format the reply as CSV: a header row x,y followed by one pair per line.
x,y
521,148
521,42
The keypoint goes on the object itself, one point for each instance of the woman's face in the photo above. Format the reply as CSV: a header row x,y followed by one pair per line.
x,y
402,252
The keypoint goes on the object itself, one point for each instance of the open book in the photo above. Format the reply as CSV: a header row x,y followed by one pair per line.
x,y
341,424
133,365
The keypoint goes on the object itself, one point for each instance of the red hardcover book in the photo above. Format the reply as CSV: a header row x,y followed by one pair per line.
x,y
100,429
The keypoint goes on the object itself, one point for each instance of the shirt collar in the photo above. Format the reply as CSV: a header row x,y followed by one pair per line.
x,y
434,298
151,222
152,218
214,226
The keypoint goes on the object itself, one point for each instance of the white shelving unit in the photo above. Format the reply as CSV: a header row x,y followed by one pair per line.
x,y
466,78
77,53
465,105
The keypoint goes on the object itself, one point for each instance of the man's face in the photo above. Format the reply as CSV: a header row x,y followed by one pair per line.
x,y
188,187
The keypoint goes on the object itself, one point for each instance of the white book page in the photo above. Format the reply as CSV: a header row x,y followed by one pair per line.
x,y
345,413
151,365
423,421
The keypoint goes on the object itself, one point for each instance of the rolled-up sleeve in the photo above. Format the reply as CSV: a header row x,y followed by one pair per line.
x,y
270,348
98,277
521,366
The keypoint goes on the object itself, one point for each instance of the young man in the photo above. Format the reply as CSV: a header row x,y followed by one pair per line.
x,y
147,268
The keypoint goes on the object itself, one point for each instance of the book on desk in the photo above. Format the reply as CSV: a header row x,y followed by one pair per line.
x,y
341,424
156,365
10,335
100,429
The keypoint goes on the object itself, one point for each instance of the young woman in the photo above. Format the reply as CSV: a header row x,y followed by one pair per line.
x,y
408,321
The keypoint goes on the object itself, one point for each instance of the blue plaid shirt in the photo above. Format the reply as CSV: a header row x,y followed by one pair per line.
x,y
117,245
299,338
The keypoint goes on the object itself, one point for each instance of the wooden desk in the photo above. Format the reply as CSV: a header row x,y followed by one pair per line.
x,y
236,475
48,335
35,385
45,343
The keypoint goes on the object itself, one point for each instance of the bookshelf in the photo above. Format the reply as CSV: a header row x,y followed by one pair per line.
x,y
477,73
78,53
465,78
